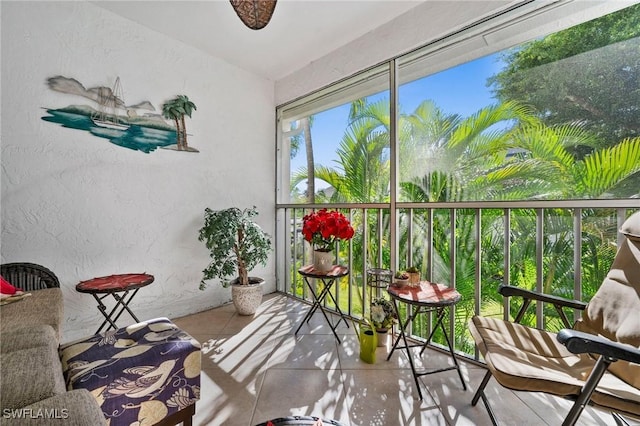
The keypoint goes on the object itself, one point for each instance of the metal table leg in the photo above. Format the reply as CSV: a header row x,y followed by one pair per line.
x,y
122,302
441,311
318,299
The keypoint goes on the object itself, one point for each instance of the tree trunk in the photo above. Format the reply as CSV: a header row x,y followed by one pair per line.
x,y
178,133
184,132
311,175
243,274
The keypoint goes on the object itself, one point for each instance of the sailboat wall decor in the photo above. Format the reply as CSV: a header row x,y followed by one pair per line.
x,y
136,126
109,101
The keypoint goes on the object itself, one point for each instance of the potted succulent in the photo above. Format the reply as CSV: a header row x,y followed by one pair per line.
x,y
237,245
401,278
414,275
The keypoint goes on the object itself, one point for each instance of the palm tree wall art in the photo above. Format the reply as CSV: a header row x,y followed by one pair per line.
x,y
175,109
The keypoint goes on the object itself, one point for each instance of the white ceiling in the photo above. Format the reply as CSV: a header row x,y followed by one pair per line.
x,y
300,31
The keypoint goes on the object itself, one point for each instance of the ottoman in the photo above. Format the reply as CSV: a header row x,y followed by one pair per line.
x,y
145,374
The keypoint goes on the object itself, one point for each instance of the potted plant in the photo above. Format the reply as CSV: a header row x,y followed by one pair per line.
x,y
235,243
414,275
322,229
401,278
383,316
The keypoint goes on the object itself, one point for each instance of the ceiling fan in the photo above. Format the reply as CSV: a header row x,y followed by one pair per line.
x,y
255,14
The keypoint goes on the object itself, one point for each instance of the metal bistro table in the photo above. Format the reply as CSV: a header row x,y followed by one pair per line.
x,y
425,297
327,278
113,285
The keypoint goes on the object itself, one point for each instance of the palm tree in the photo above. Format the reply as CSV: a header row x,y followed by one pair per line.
x,y
449,158
175,109
171,111
303,133
311,179
473,163
548,161
363,172
548,165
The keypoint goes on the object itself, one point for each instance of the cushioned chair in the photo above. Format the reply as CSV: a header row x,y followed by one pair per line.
x,y
29,276
595,362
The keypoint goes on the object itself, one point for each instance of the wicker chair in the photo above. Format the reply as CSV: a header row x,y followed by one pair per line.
x,y
29,276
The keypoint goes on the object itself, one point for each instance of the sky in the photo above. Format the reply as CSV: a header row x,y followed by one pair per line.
x,y
461,90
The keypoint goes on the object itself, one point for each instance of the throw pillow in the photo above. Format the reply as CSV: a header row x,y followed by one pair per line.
x,y
7,289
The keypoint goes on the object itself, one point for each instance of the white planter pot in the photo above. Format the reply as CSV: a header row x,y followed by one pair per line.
x,y
383,338
247,298
322,260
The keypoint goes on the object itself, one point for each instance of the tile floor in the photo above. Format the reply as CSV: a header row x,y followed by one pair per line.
x,y
256,368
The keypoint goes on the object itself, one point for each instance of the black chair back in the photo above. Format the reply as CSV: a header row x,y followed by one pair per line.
x,y
29,276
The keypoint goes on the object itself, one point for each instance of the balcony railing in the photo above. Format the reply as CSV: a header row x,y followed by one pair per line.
x,y
559,247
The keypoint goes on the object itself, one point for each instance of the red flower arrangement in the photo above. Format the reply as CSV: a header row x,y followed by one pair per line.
x,y
323,228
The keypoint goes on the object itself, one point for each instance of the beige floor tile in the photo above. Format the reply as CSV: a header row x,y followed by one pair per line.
x,y
455,402
349,352
317,324
263,323
233,368
207,322
526,408
553,409
386,397
280,303
430,359
508,408
317,393
240,356
204,339
226,401
255,368
306,352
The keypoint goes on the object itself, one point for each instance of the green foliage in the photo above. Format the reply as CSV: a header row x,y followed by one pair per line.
x,y
587,74
558,133
608,167
235,242
177,107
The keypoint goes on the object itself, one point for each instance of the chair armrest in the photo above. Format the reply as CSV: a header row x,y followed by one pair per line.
x,y
508,290
578,342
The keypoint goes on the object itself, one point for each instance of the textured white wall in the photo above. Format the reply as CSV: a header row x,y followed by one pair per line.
x,y
85,207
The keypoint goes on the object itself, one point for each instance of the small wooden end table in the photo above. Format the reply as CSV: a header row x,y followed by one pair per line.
x,y
425,297
102,287
327,278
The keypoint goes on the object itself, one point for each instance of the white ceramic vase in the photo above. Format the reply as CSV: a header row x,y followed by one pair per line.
x,y
247,298
383,337
322,260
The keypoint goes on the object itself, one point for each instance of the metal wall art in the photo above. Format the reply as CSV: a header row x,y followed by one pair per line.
x,y
135,126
